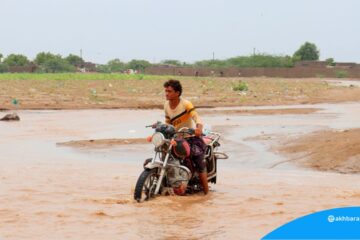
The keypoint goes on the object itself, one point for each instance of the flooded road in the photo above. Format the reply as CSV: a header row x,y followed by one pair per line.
x,y
53,192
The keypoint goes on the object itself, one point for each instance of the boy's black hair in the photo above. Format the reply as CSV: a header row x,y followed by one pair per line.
x,y
175,84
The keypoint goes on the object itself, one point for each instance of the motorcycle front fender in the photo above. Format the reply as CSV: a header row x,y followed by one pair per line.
x,y
151,165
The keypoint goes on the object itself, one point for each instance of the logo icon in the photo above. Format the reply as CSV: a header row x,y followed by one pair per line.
x,y
331,218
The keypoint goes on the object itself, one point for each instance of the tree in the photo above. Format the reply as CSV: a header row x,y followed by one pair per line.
x,y
138,65
57,65
171,62
16,60
1,56
307,51
330,61
74,60
212,63
43,57
103,68
52,63
256,60
116,65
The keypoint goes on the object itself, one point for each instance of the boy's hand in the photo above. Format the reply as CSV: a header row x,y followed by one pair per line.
x,y
198,132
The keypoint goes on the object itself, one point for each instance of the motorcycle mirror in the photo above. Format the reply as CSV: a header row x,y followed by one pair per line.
x,y
191,131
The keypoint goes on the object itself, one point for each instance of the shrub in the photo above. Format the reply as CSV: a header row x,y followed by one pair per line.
x,y
241,86
341,74
3,68
330,62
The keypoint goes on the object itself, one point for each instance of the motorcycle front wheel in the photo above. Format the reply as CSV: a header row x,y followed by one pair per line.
x,y
146,184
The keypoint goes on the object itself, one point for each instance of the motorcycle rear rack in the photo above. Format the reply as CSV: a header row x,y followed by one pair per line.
x,y
221,155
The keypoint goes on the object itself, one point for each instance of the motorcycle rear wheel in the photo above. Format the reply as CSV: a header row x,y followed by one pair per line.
x,y
145,185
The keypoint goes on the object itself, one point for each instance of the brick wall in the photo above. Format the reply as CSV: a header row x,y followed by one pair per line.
x,y
295,72
19,69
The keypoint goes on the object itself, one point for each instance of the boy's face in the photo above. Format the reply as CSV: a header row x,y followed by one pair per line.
x,y
171,94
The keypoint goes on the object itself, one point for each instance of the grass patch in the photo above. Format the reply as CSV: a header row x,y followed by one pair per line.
x,y
341,74
241,86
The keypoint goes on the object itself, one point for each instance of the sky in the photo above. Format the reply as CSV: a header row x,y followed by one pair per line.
x,y
186,30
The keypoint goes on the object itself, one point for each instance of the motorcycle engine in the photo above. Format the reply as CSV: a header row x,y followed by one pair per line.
x,y
176,175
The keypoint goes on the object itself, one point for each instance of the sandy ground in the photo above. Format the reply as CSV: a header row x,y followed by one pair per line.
x,y
327,151
206,92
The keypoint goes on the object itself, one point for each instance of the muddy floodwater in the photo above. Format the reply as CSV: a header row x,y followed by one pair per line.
x,y
49,191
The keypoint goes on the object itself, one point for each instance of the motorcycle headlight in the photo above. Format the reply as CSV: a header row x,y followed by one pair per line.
x,y
158,139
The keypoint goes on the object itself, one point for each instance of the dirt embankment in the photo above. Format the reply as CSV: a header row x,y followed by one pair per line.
x,y
148,93
337,151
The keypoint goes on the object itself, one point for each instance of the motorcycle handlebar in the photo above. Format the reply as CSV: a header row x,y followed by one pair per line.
x,y
190,131
154,125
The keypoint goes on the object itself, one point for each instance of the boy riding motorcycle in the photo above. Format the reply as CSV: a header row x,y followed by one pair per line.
x,y
181,113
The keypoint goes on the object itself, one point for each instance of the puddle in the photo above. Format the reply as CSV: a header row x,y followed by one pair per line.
x,y
36,135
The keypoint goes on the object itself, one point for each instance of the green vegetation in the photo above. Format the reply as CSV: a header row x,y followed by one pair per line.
x,y
257,60
307,51
16,60
51,63
241,86
3,67
172,62
138,65
46,62
330,62
74,60
103,68
341,74
115,66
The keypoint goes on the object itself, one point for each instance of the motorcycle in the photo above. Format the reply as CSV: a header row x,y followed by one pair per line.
x,y
171,168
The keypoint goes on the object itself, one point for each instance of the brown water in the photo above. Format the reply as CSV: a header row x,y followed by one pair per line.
x,y
50,192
